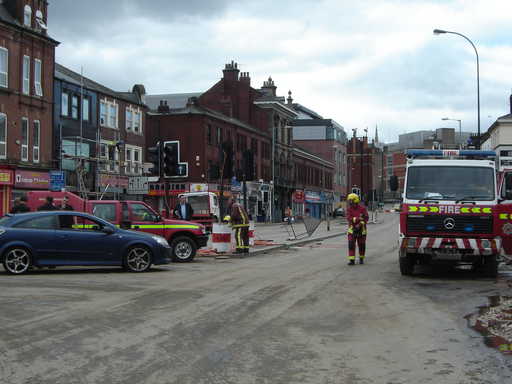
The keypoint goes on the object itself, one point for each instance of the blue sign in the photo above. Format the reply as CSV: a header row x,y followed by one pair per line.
x,y
236,186
57,181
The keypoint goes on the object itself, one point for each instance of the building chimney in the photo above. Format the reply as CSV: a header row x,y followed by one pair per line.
x,y
163,107
245,78
231,71
269,88
289,100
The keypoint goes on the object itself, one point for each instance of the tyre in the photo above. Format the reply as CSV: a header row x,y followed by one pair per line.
x,y
183,249
490,266
138,258
406,265
17,260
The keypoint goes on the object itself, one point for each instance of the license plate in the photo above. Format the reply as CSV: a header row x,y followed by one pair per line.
x,y
447,254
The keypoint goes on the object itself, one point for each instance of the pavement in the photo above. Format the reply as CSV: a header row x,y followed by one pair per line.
x,y
276,236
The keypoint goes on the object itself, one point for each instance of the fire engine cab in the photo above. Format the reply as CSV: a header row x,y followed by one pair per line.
x,y
456,209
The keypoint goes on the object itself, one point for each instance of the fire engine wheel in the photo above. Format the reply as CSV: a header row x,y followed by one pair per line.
x,y
490,266
137,259
183,249
406,265
17,260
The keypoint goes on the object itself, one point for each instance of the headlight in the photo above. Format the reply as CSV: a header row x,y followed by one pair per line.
x,y
160,240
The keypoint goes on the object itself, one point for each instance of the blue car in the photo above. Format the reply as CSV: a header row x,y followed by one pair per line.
x,y
55,238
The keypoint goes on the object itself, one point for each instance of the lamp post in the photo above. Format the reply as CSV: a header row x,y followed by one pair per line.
x,y
460,128
441,31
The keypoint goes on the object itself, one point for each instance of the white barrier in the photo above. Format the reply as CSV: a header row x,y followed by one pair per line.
x,y
221,237
252,233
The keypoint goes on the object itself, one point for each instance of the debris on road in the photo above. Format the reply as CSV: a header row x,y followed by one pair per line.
x,y
494,322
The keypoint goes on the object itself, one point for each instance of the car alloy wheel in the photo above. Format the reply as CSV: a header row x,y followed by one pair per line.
x,y
183,249
138,259
17,261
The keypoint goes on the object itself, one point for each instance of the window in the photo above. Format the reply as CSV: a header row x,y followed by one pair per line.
x,y
37,78
36,136
209,134
3,136
79,223
26,75
254,146
129,119
74,107
105,211
142,213
219,136
4,67
108,114
44,222
133,158
112,116
110,155
27,16
64,107
85,109
24,139
137,122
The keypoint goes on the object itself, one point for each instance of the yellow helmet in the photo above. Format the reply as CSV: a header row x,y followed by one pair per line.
x,y
352,197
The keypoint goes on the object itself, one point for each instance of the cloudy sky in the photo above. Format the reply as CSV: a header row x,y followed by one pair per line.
x,y
362,63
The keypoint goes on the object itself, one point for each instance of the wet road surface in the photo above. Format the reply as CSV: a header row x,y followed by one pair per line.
x,y
296,316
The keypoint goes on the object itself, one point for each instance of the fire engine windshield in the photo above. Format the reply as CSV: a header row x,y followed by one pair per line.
x,y
450,183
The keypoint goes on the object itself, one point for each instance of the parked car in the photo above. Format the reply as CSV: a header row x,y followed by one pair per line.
x,y
338,212
57,238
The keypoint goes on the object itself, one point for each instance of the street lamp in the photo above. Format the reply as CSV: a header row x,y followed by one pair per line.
x,y
441,31
460,127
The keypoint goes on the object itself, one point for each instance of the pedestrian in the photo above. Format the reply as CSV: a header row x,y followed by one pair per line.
x,y
239,220
183,210
65,206
20,205
48,205
288,215
357,218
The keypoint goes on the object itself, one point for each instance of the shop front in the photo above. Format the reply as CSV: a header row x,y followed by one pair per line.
x,y
28,180
6,184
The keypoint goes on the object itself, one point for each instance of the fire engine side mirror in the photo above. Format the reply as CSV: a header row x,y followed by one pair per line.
x,y
158,218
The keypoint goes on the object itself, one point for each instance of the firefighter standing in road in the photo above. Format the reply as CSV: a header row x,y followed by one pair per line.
x,y
357,217
239,220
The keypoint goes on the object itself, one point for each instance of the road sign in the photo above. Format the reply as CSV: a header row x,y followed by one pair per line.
x,y
57,181
138,185
236,186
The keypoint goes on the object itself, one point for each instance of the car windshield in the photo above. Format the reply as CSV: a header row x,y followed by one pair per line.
x,y
450,183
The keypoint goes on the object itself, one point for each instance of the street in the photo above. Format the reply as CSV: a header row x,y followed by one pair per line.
x,y
299,315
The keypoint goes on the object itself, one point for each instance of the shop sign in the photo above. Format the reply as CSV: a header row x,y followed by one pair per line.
x,y
113,181
298,196
312,197
31,179
198,187
6,177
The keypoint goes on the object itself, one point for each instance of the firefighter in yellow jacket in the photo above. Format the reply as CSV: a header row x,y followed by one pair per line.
x,y
357,217
239,220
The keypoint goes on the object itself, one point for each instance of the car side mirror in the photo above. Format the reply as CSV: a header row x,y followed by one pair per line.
x,y
108,230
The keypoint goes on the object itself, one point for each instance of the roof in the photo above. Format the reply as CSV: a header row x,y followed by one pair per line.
x,y
174,100
65,74
307,111
199,110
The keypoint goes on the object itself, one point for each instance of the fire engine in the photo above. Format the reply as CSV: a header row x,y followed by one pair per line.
x,y
457,209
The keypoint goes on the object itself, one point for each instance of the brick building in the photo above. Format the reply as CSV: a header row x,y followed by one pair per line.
x,y
365,167
99,133
27,57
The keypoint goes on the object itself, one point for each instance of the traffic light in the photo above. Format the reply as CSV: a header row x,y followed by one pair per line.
x,y
154,158
226,160
248,165
393,183
169,156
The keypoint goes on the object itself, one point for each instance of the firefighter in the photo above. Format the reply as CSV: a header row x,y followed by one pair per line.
x,y
357,218
239,220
